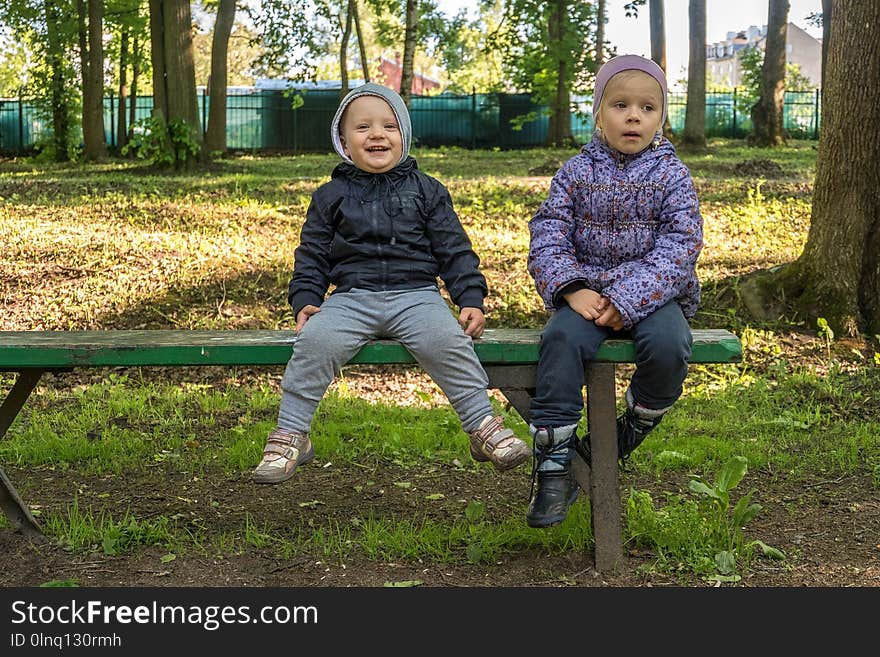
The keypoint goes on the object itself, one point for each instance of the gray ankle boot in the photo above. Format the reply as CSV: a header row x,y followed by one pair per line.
x,y
557,487
635,424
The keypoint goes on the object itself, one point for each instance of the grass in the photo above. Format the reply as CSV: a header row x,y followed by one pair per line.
x,y
118,246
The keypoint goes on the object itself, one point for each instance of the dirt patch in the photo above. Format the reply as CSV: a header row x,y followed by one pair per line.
x,y
759,167
830,530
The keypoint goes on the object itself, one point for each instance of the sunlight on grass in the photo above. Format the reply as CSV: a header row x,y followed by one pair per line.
x,y
128,247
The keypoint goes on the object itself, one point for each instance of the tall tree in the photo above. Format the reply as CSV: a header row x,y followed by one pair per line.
x,y
343,50
94,139
600,33
658,45
58,79
174,78
547,52
409,50
767,113
559,126
49,28
362,46
694,133
837,276
121,115
826,34
126,21
215,136
137,63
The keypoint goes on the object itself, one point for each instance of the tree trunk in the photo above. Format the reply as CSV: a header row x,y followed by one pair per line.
x,y
174,76
157,58
658,47
695,112
135,78
826,35
83,39
215,138
767,128
409,50
559,129
94,139
600,33
838,274
121,127
58,101
343,52
365,65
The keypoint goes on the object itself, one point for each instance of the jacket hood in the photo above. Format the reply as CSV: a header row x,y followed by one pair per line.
x,y
389,96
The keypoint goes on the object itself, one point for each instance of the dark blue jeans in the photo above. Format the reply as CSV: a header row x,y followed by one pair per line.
x,y
569,342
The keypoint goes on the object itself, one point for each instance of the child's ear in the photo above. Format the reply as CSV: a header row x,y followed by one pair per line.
x,y
344,145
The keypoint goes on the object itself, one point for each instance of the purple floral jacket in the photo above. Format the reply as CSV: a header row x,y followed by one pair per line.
x,y
626,226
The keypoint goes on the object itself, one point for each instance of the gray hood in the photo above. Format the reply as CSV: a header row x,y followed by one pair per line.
x,y
392,98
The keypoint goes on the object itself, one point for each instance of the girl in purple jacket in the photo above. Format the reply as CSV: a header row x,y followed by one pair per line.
x,y
613,252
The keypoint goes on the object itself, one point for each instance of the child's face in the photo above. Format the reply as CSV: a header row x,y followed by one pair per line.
x,y
370,134
630,111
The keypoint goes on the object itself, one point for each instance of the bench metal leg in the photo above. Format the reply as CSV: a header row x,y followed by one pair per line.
x,y
605,486
11,503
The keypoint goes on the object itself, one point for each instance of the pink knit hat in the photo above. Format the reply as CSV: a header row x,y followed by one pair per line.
x,y
627,63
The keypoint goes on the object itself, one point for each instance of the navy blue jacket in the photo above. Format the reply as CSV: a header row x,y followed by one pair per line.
x,y
387,231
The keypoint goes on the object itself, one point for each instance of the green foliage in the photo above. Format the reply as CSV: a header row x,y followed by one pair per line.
x,y
60,583
49,32
471,52
534,41
826,333
162,143
130,17
14,64
705,536
280,23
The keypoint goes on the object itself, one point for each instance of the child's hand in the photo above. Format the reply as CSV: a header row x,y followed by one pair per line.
x,y
587,303
610,317
473,321
303,316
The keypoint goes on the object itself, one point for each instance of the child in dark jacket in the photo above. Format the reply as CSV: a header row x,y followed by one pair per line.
x,y
613,252
381,232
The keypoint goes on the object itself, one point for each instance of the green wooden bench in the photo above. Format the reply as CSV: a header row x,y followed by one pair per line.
x,y
508,355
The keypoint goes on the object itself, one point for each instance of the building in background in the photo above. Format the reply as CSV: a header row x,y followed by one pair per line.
x,y
723,57
390,71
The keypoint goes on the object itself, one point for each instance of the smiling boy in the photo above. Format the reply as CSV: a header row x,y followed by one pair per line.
x,y
381,232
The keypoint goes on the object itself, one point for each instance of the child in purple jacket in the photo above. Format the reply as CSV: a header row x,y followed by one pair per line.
x,y
613,253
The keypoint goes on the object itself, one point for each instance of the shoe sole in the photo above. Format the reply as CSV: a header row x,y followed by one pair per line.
x,y
543,523
501,467
277,478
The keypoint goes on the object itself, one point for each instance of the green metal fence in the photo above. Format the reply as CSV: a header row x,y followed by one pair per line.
x,y
727,114
272,121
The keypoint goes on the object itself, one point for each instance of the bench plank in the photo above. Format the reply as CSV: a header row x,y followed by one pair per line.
x,y
132,348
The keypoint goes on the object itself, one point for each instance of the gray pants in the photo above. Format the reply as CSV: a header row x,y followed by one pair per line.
x,y
419,319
